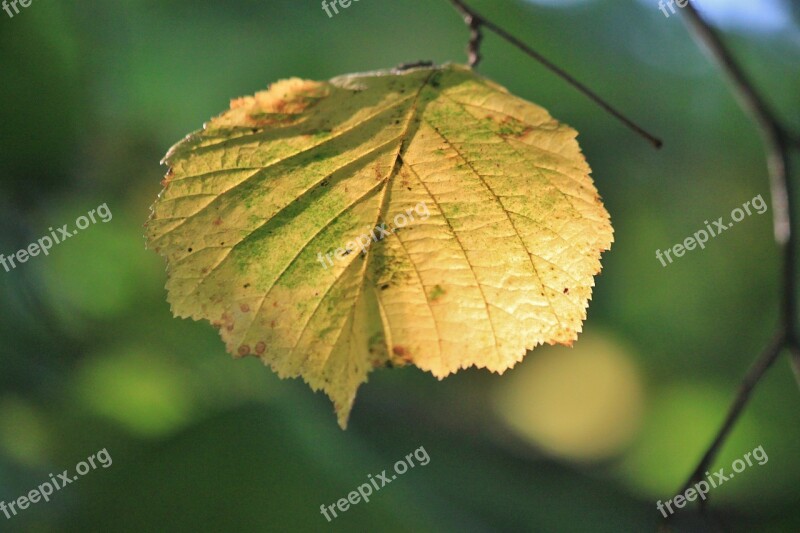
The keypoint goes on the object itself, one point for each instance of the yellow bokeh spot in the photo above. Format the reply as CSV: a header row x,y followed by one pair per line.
x,y
23,432
582,404
146,394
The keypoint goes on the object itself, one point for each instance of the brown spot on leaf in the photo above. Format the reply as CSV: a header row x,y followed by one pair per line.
x,y
260,347
244,349
402,353
245,308
167,178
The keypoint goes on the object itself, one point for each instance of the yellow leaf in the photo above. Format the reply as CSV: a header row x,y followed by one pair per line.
x,y
467,227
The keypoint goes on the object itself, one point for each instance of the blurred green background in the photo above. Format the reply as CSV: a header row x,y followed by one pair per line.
x,y
580,439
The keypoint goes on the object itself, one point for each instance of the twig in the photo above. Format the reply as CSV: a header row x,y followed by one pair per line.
x,y
402,67
777,140
475,22
754,375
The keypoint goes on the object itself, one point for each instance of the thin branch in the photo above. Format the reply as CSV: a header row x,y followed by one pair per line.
x,y
475,38
794,353
778,141
475,22
754,375
775,135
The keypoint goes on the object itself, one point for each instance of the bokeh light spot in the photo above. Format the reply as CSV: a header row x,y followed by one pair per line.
x,y
582,404
144,393
23,432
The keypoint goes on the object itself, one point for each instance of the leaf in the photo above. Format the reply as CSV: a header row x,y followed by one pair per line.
x,y
502,235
